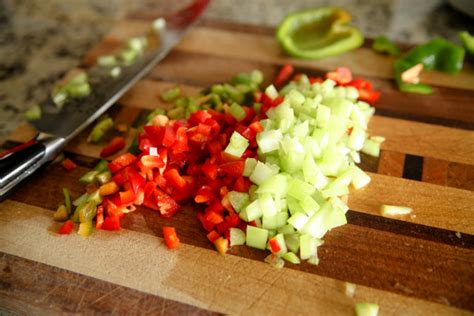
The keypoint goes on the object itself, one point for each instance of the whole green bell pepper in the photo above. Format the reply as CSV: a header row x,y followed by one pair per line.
x,y
385,46
318,33
437,54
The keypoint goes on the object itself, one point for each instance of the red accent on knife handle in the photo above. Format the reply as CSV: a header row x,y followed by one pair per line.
x,y
187,14
18,148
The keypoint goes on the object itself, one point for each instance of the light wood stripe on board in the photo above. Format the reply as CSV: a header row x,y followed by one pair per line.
x,y
433,205
190,275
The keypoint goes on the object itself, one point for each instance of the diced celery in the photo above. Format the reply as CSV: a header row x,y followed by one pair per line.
x,y
378,139
335,218
256,237
357,138
237,237
256,76
371,148
271,92
298,220
323,113
299,189
359,178
308,246
275,261
95,197
281,219
294,206
312,148
366,309
394,210
238,199
269,141
301,130
293,242
100,129
312,173
261,173
276,185
67,200
237,112
253,211
286,229
237,145
313,260
107,61
337,203
159,24
250,164
267,205
291,257
269,222
350,289
33,113
309,205
115,72
296,98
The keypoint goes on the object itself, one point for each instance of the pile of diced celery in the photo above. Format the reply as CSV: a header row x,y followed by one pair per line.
x,y
308,153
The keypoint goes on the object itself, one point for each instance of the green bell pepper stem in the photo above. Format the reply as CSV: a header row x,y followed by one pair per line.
x,y
385,46
318,33
437,54
468,42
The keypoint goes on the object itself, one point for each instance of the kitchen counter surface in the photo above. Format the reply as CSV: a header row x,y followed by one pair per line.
x,y
41,39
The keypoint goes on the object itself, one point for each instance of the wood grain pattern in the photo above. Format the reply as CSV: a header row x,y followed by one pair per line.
x,y
435,171
33,288
174,275
391,163
410,265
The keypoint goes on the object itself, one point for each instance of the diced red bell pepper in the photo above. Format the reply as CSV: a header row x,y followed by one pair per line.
x,y
151,162
216,207
121,162
204,194
155,135
111,223
99,220
169,136
115,145
359,83
170,236
369,96
181,141
66,228
208,226
127,197
166,205
213,236
342,75
68,164
315,80
274,246
284,75
213,217
209,170
256,127
173,177
242,185
199,116
233,169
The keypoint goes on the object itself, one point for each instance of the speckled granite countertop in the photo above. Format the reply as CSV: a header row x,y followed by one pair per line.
x,y
41,39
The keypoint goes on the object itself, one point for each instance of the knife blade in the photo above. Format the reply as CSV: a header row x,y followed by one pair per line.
x,y
57,127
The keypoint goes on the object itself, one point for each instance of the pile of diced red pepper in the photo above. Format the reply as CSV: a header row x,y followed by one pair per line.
x,y
184,160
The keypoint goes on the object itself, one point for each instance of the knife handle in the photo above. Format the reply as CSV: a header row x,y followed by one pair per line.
x,y
22,161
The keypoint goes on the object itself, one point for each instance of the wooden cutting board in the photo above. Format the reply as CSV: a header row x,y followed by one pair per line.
x,y
418,265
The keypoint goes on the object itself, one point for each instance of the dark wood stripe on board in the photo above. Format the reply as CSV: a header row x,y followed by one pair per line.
x,y
32,288
413,167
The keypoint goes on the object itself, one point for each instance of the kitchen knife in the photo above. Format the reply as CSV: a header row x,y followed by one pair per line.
x,y
57,127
